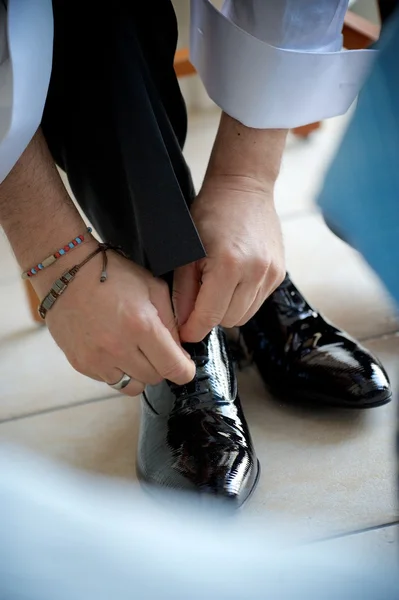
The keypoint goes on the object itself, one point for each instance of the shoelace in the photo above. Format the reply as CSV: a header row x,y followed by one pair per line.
x,y
192,390
222,431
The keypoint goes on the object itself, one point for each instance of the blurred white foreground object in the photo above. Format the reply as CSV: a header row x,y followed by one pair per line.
x,y
71,536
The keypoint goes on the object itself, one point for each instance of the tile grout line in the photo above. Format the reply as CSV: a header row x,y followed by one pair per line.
x,y
379,336
338,536
46,411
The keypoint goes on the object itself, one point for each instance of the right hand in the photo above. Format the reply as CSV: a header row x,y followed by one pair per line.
x,y
124,325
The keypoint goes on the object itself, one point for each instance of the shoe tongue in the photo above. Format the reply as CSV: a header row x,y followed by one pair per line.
x,y
213,362
289,297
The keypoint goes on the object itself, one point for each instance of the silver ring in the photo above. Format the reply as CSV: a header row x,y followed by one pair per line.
x,y
122,383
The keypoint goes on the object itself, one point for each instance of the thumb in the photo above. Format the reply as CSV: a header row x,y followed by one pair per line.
x,y
186,285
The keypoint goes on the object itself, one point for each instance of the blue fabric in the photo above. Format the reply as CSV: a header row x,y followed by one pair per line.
x,y
360,198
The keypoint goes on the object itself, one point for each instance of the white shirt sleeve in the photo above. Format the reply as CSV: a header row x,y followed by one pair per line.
x,y
26,48
276,63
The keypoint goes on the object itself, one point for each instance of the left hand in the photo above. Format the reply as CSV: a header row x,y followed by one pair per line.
x,y
241,232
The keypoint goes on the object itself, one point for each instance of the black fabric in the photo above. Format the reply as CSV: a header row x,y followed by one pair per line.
x,y
115,121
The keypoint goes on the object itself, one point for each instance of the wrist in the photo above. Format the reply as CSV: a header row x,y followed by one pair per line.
x,y
246,184
251,156
36,213
45,278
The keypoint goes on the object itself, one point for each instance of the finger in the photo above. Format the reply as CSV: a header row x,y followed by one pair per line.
x,y
161,299
212,302
133,388
243,298
141,369
274,278
167,357
186,285
263,293
253,309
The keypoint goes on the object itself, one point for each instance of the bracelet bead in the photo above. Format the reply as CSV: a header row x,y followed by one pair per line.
x,y
53,257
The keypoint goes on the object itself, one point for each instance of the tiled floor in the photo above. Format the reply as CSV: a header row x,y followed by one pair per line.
x,y
326,472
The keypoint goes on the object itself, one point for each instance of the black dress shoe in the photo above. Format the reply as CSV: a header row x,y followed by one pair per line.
x,y
195,437
302,357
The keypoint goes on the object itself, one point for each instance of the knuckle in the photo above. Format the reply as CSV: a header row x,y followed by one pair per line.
x,y
109,345
281,272
142,322
260,266
233,260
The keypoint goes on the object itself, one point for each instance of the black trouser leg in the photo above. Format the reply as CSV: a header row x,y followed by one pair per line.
x,y
116,122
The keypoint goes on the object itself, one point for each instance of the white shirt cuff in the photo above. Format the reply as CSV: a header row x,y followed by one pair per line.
x,y
266,87
24,75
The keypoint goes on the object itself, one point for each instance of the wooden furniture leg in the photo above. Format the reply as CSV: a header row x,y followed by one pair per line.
x,y
33,301
182,63
306,130
358,32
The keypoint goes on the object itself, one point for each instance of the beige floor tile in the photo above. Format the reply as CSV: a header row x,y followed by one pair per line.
x,y
202,128
9,270
304,165
99,437
335,279
14,310
34,374
324,471
328,471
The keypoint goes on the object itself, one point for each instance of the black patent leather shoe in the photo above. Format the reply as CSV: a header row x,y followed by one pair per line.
x,y
303,357
195,437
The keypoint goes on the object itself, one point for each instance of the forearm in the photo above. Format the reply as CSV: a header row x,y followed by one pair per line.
x,y
36,212
249,157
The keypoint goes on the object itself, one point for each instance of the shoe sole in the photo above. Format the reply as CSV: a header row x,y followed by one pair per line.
x,y
291,397
155,491
254,486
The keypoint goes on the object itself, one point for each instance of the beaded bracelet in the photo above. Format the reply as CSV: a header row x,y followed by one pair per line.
x,y
61,284
53,257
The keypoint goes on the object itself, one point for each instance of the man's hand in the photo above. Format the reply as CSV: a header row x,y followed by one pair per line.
x,y
238,224
124,325
241,232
